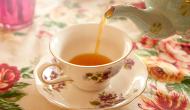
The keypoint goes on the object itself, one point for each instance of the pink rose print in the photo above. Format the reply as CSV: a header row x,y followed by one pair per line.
x,y
43,33
148,42
161,101
140,5
9,75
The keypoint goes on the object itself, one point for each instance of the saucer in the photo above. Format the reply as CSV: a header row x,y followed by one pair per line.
x,y
127,85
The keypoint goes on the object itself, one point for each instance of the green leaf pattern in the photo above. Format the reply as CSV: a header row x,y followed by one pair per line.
x,y
27,73
4,105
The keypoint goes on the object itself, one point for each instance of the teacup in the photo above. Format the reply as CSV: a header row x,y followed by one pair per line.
x,y
79,39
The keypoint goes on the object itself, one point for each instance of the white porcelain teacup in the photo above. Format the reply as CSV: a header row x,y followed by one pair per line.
x,y
79,39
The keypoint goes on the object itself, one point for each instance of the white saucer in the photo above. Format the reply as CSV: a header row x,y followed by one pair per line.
x,y
127,85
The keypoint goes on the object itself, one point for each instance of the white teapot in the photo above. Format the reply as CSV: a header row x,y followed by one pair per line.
x,y
160,19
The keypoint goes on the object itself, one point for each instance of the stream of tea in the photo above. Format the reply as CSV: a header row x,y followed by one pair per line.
x,y
100,34
102,24
92,59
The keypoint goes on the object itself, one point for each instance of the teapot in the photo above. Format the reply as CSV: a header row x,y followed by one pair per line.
x,y
160,19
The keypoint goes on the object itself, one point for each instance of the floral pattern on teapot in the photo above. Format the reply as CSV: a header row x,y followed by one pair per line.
x,y
185,8
156,27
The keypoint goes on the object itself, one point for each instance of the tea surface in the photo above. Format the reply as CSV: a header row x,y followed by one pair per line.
x,y
90,59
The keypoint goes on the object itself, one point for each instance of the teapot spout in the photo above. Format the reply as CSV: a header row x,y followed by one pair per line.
x,y
151,22
122,11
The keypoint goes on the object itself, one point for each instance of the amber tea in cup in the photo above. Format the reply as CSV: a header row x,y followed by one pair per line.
x,y
90,59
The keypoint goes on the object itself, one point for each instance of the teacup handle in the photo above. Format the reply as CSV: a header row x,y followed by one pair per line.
x,y
41,69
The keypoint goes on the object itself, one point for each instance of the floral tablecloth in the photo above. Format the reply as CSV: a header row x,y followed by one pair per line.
x,y
167,60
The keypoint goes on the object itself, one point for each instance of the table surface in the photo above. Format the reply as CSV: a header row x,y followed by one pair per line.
x,y
20,52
